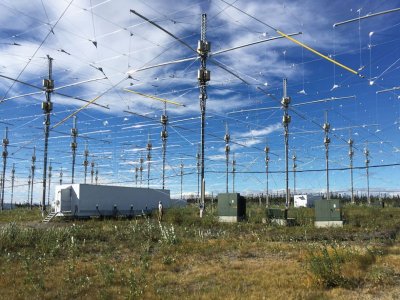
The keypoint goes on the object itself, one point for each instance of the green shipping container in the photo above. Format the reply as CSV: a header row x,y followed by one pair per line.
x,y
231,207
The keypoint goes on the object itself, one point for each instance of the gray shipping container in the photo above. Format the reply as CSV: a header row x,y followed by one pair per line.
x,y
86,200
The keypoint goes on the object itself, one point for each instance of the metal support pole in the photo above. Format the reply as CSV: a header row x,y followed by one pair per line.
x,y
198,174
136,175
85,162
33,167
3,177
233,172
91,172
74,145
96,178
164,137
203,76
327,140
294,173
351,154
141,171
29,187
47,107
366,152
12,184
48,194
149,147
286,120
266,150
181,180
227,150
61,176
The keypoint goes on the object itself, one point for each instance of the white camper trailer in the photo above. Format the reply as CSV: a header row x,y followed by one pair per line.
x,y
305,200
86,200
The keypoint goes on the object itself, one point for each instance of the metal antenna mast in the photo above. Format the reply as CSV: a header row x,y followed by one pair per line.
x,y
198,172
47,107
149,146
351,154
136,175
33,167
12,184
5,154
96,178
181,178
61,176
29,187
266,150
85,161
164,136
48,195
285,121
327,140
294,173
91,172
227,138
74,145
233,172
141,170
203,76
366,152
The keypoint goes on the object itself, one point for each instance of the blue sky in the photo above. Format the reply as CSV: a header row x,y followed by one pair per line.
x,y
93,39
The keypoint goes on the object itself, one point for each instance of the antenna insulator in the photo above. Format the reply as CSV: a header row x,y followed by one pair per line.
x,y
203,75
286,119
48,84
286,101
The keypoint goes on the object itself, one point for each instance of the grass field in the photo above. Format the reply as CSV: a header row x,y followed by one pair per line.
x,y
190,258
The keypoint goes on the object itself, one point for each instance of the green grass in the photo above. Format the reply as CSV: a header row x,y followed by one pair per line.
x,y
188,257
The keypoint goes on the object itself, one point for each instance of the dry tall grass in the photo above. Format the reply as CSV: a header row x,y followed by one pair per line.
x,y
188,258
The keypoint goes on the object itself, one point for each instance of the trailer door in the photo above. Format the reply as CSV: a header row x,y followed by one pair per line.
x,y
66,199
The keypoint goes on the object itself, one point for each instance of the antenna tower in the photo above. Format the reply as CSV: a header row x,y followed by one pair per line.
x,y
33,167
203,76
227,138
141,170
47,107
61,176
285,121
29,187
149,146
366,152
164,137
198,173
85,161
12,184
327,140
4,154
91,172
48,194
294,173
351,155
74,145
233,172
266,150
181,178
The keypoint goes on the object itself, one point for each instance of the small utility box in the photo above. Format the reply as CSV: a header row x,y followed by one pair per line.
x,y
328,213
231,207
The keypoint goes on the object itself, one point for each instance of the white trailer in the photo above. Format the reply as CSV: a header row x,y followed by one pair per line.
x,y
86,200
305,200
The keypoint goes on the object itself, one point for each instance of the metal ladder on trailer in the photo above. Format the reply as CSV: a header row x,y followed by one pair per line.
x,y
50,217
